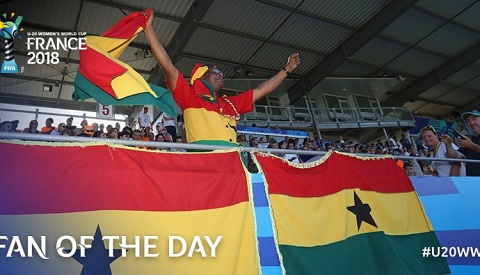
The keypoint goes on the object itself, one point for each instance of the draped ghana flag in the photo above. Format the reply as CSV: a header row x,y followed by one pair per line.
x,y
103,191
104,77
348,215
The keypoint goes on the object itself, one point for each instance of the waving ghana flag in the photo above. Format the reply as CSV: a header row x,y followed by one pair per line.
x,y
178,213
104,77
347,215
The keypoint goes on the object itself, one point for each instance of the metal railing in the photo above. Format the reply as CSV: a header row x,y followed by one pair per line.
x,y
167,145
329,117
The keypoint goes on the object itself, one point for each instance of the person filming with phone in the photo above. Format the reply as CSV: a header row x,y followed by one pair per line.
x,y
470,147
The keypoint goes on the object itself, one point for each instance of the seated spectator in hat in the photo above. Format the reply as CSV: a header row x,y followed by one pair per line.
x,y
6,126
440,147
470,146
32,127
48,128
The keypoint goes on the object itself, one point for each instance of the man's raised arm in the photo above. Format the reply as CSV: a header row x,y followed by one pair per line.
x,y
161,55
271,84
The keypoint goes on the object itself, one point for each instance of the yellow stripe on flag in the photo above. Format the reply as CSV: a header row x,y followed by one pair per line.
x,y
324,220
236,252
131,82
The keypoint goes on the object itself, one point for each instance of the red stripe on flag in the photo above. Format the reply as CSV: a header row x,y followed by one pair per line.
x,y
44,179
128,25
103,75
338,172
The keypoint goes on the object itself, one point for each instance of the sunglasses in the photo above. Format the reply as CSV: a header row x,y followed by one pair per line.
x,y
429,127
215,70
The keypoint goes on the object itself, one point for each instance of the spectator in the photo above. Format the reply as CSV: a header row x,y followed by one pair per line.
x,y
118,126
395,145
202,102
69,126
87,131
254,142
136,134
112,133
408,168
160,138
95,127
124,135
109,127
77,132
290,156
168,137
179,139
169,124
242,140
470,147
127,129
441,168
151,136
6,126
144,119
101,127
413,152
83,124
48,128
15,125
262,143
32,127
99,134
405,142
60,129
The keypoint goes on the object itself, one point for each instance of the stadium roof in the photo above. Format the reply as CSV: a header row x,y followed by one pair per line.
x,y
424,55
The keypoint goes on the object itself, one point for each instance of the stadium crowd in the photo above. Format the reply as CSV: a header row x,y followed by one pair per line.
x,y
430,145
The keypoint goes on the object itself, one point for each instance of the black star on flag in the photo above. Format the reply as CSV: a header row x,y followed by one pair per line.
x,y
96,260
362,211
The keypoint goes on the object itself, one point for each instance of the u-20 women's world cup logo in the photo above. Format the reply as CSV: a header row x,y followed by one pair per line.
x,y
9,31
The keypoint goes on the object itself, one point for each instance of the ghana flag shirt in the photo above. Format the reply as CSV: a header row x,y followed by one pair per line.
x,y
210,120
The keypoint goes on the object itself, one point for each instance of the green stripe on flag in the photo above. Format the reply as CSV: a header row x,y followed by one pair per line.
x,y
84,89
372,253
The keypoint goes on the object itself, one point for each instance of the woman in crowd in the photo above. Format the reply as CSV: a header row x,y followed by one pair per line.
x,y
112,133
441,168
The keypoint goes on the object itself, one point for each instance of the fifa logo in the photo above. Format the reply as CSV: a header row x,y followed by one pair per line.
x,y
9,31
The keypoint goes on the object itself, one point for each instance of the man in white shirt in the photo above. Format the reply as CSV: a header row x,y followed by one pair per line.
x,y
169,124
144,119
